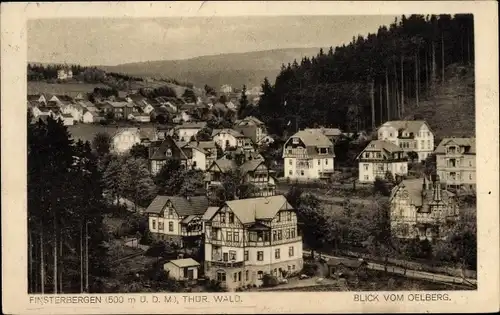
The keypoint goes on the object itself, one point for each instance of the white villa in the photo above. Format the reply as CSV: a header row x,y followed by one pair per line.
x,y
409,135
308,155
379,158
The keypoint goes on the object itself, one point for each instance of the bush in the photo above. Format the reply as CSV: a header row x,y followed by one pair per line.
x,y
214,286
146,239
269,281
309,269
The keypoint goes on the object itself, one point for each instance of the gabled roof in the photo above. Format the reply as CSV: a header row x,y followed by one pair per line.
x,y
468,143
313,138
161,151
225,165
381,145
185,262
232,132
329,132
184,206
411,126
210,213
250,166
414,188
262,208
250,119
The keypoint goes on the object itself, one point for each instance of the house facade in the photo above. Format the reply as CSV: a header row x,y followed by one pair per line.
x,y
252,128
230,138
90,117
333,134
187,131
380,158
177,219
410,135
182,269
456,163
308,155
253,172
422,208
247,238
161,151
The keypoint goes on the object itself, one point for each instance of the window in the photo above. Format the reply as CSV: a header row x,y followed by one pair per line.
x,y
319,162
236,236
154,224
246,255
290,251
235,276
366,177
260,274
221,276
160,226
231,217
302,173
470,176
293,267
246,275
225,257
223,217
287,234
326,161
428,144
260,255
275,235
280,235
229,236
365,166
239,275
470,163
169,152
390,135
289,216
170,226
323,151
170,211
232,255
292,233
290,162
277,253
290,172
422,144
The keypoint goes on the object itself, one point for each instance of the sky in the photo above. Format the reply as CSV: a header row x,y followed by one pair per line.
x,y
107,41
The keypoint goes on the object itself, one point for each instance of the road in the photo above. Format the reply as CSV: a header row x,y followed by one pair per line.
x,y
414,273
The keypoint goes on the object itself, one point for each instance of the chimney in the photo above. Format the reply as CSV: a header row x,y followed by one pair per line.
x,y
437,188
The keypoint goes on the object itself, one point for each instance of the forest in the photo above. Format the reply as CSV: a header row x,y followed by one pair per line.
x,y
371,80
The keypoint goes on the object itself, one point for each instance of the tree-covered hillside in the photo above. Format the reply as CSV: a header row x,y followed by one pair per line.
x,y
376,78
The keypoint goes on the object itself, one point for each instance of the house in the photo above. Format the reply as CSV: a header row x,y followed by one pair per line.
x,y
139,117
61,100
67,119
188,131
182,116
308,155
161,151
252,128
231,105
120,109
74,109
410,135
230,138
203,153
333,134
38,98
380,158
253,172
247,238
456,163
341,267
91,116
177,219
421,208
125,138
226,89
182,269
64,74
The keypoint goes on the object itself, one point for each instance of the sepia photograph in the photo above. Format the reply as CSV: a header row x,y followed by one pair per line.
x,y
251,154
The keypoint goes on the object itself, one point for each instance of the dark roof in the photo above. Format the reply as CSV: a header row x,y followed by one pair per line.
x,y
348,262
184,206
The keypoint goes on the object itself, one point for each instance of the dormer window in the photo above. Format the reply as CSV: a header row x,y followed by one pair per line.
x,y
295,140
372,145
323,150
451,150
169,153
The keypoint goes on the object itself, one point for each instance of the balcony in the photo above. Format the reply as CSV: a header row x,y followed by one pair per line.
x,y
225,264
192,233
218,224
287,240
223,242
257,243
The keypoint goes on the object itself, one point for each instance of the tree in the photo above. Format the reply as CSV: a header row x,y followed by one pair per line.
x,y
210,90
189,95
430,165
101,144
233,186
139,151
110,116
380,187
244,108
112,180
136,181
413,156
204,134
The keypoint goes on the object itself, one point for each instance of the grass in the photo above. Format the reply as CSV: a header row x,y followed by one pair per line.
x,y
39,87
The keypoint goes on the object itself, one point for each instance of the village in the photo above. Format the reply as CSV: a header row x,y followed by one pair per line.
x,y
253,238
330,175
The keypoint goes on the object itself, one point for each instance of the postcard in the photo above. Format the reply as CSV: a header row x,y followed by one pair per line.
x,y
250,157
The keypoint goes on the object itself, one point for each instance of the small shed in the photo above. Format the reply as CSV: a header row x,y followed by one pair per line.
x,y
182,269
338,267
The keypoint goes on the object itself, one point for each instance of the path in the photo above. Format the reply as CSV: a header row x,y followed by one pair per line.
x,y
414,273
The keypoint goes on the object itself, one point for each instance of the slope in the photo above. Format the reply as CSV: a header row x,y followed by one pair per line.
x,y
236,68
450,108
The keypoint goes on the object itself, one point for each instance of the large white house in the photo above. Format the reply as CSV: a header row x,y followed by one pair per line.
x,y
410,135
187,131
456,163
247,238
380,158
226,138
308,155
177,219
